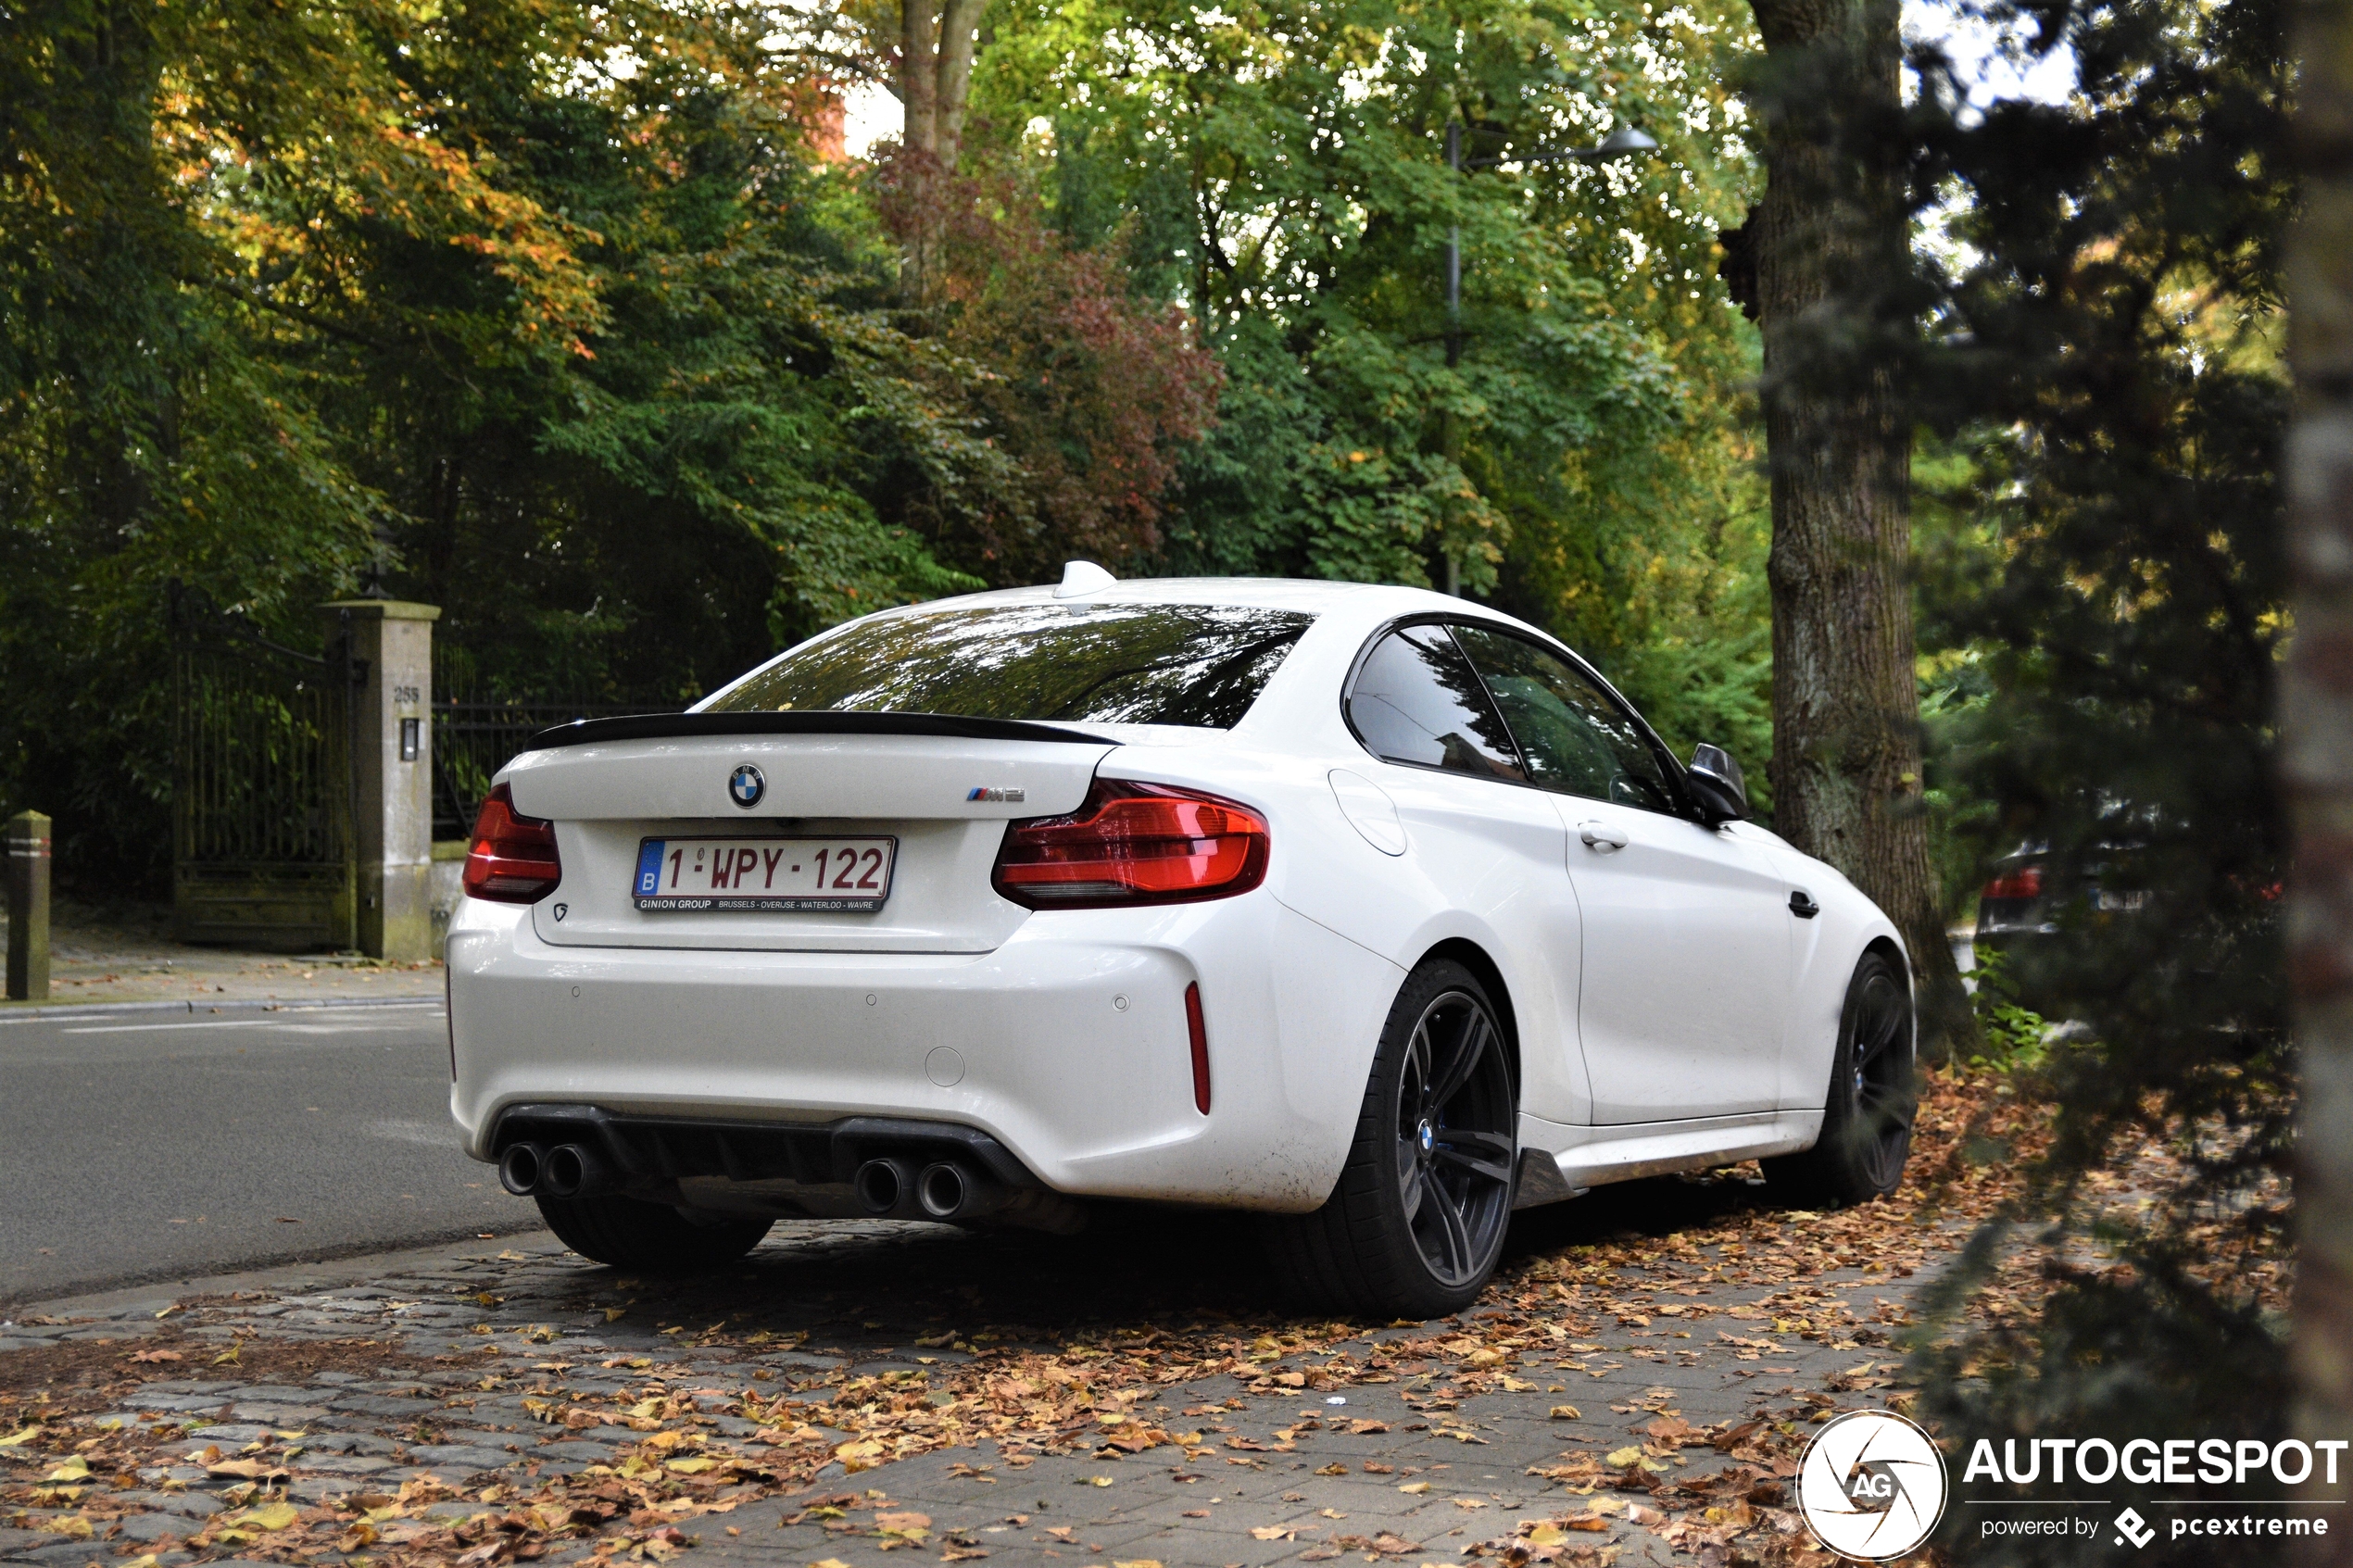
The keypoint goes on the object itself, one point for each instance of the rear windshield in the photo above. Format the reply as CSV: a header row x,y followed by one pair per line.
x,y
1201,665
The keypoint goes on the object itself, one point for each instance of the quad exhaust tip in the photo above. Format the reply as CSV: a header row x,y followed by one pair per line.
x,y
882,1185
519,1167
569,1170
530,1169
944,1190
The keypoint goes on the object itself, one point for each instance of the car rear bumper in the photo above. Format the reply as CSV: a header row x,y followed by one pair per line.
x,y
1068,1044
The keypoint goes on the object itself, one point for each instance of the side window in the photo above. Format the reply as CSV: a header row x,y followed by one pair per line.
x,y
1416,700
1576,741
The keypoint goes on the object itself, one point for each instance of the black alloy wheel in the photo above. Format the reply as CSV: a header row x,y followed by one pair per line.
x,y
1453,1162
1418,1216
1868,1114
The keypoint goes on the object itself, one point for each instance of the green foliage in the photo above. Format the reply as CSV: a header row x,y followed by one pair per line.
x,y
2015,1037
542,315
1280,171
2104,364
550,316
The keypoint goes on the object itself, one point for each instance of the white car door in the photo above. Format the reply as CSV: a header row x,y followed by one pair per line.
x,y
1486,840
1686,972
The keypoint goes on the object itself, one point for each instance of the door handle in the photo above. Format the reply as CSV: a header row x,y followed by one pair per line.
x,y
1802,905
1601,836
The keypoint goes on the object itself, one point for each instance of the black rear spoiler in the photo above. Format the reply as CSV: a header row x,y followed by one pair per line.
x,y
675,726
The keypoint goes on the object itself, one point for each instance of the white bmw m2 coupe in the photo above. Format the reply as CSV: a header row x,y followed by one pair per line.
x,y
1369,910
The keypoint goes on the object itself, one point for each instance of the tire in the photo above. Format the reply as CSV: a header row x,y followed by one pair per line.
x,y
1867,1117
1416,1220
650,1238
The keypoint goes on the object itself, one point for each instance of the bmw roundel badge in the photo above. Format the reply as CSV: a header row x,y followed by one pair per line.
x,y
746,785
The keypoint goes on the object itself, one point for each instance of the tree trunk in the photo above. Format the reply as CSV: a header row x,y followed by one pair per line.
x,y
2316,728
959,23
1846,750
918,74
936,46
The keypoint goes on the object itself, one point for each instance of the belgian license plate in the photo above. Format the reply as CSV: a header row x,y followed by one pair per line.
x,y
764,875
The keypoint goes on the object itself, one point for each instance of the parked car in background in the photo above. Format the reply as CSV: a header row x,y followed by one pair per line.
x,y
2020,901
1367,910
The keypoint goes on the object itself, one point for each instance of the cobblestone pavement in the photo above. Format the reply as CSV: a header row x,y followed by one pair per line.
x,y
127,954
1634,1388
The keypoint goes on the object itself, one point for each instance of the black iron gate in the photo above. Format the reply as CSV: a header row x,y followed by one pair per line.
x,y
262,809
471,740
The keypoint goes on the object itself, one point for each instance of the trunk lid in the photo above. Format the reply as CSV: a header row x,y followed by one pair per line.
x,y
942,789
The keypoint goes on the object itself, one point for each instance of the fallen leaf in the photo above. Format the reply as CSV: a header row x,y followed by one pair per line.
x,y
153,1356
275,1516
1416,1488
1568,1412
1274,1533
250,1469
16,1439
862,1455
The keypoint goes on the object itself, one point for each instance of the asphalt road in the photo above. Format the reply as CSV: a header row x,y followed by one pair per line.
x,y
136,1148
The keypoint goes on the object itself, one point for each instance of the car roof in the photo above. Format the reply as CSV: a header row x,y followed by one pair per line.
x,y
1309,594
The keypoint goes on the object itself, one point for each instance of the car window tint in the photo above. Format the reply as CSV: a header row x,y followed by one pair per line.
x,y
1197,665
1574,738
1416,700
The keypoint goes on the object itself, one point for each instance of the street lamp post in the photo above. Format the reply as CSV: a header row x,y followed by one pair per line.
x,y
1623,142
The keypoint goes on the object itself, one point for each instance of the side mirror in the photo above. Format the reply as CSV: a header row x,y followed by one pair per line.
x,y
1715,779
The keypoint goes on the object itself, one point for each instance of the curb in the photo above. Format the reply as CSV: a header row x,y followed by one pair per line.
x,y
243,1004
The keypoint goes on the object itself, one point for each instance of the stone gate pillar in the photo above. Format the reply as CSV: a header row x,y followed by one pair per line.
x,y
392,771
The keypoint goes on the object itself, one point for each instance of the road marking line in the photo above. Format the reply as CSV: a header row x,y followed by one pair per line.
x,y
181,1023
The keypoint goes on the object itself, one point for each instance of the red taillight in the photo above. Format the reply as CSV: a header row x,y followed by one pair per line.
x,y
1199,1032
1134,844
2024,883
513,860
